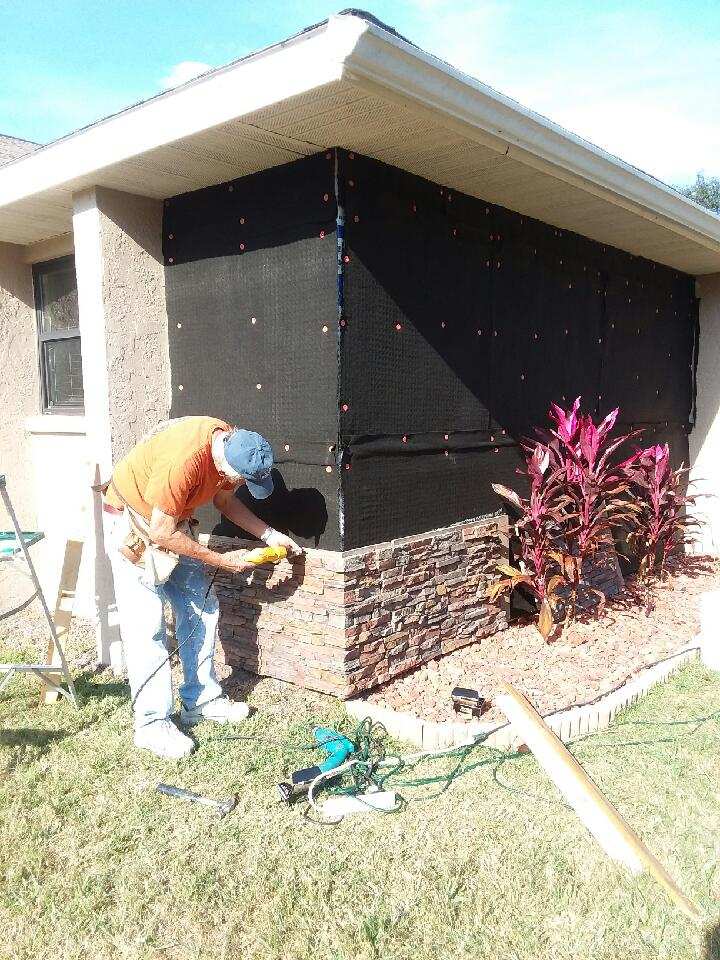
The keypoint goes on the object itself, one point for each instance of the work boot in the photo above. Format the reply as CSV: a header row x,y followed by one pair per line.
x,y
164,740
220,710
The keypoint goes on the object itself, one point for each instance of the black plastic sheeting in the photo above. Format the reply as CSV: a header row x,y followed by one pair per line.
x,y
251,276
459,322
463,322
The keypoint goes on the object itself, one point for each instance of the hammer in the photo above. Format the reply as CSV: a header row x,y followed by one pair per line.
x,y
224,807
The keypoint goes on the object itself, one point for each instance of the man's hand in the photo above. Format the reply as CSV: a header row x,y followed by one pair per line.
x,y
164,532
273,538
236,561
232,508
266,555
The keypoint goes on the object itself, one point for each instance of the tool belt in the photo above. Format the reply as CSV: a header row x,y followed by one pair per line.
x,y
138,548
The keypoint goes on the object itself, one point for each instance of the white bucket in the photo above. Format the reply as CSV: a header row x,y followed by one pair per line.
x,y
709,638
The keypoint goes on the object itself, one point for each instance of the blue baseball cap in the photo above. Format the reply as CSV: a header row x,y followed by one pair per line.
x,y
251,457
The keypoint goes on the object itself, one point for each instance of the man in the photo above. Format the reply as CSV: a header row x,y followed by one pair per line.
x,y
155,558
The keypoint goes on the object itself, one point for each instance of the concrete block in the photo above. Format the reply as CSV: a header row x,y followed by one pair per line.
x,y
403,726
501,737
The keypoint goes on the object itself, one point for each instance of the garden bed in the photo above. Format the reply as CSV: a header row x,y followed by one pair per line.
x,y
596,656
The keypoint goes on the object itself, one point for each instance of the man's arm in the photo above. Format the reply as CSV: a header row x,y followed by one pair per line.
x,y
163,532
232,508
236,511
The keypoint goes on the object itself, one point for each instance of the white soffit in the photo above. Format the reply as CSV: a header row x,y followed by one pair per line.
x,y
350,83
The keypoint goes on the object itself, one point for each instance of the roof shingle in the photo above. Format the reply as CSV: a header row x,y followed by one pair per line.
x,y
13,147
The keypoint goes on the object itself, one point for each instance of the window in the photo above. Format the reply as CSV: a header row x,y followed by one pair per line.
x,y
56,306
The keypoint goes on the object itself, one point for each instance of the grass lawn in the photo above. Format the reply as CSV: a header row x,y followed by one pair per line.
x,y
94,863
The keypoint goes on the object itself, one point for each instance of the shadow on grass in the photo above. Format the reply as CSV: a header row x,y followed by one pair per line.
x,y
712,942
28,744
91,686
31,737
240,684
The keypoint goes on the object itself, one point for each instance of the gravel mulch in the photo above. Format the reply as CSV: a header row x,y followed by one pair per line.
x,y
596,655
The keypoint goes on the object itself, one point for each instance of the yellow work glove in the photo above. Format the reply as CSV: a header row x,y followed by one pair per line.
x,y
262,555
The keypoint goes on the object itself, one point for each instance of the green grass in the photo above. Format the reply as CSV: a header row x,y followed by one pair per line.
x,y
94,863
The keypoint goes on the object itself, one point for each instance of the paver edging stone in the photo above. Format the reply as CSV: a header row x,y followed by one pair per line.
x,y
568,723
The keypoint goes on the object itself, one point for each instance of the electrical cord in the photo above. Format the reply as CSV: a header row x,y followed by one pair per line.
x,y
369,758
371,768
698,721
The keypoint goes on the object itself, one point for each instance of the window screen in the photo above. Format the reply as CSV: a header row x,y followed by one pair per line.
x,y
56,304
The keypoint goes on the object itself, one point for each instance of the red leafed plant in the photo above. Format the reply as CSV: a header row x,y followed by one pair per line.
x,y
660,523
537,531
578,496
595,487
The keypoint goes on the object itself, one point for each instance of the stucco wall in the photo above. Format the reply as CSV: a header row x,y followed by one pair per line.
x,y
19,383
133,293
43,456
705,437
57,449
123,323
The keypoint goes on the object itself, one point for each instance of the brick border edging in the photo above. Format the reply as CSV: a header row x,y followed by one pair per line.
x,y
568,723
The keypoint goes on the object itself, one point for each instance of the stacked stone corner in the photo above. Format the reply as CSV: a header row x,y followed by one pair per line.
x,y
343,623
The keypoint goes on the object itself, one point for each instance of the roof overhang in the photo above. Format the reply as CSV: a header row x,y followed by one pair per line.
x,y
351,83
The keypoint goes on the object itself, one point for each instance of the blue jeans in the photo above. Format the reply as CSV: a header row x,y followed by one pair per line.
x,y
194,602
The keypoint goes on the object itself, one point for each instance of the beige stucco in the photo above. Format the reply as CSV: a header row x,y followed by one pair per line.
x,y
19,383
56,448
123,324
52,460
133,293
43,456
705,436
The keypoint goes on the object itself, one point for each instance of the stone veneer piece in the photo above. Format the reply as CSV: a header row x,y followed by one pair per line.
x,y
343,623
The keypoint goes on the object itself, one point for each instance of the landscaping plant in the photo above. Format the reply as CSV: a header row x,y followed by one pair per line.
x,y
578,497
660,524
595,489
538,529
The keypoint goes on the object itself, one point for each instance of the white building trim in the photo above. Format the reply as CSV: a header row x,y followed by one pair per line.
x,y
319,89
475,109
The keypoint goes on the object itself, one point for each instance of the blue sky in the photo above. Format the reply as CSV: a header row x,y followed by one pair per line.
x,y
640,78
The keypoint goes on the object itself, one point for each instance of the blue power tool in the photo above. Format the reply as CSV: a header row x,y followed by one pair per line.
x,y
337,747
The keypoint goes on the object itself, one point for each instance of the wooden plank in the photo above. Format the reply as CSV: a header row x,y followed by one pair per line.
x,y
601,818
63,610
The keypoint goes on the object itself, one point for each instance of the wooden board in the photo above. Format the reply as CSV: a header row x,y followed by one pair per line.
x,y
601,818
63,609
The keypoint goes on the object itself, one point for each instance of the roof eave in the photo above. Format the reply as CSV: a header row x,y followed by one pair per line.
x,y
352,49
309,60
392,67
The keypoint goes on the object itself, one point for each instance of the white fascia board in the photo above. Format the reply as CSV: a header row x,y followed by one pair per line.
x,y
349,48
392,67
307,61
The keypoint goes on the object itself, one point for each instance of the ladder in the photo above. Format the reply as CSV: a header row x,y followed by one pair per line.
x,y
55,672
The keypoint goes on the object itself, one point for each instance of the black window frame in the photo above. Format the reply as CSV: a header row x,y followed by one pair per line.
x,y
38,271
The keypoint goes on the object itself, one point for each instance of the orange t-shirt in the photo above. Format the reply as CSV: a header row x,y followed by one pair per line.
x,y
172,470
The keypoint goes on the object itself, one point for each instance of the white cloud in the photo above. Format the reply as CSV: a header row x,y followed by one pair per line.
x,y
182,72
634,81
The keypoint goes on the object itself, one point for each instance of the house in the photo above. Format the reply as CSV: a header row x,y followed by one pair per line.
x,y
389,269
11,148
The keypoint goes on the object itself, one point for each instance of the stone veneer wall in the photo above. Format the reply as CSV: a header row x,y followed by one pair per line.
x,y
343,623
